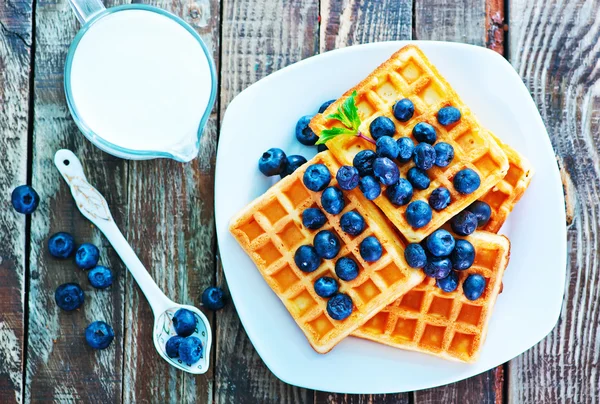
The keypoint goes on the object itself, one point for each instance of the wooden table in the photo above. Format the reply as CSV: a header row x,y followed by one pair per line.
x,y
166,208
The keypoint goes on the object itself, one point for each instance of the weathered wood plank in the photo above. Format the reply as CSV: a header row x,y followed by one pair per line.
x,y
494,25
15,61
555,47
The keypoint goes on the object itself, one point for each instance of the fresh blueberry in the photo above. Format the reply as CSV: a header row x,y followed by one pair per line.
x,y
347,178
184,322
339,307
304,133
61,245
424,156
321,147
326,286
190,350
332,200
449,283
438,267
292,163
352,223
100,277
313,218
213,298
382,126
87,256
370,187
306,258
474,286
387,147
24,199
69,296
466,181
440,198
327,244
418,178
172,346
346,269
324,106
400,193
464,223
363,161
482,211
403,110
440,243
272,162
448,115
444,153
463,255
386,171
406,148
424,133
415,255
418,214
370,249
99,335
316,177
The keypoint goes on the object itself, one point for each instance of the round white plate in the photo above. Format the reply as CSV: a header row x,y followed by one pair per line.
x,y
265,114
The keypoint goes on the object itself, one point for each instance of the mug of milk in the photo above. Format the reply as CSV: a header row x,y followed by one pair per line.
x,y
139,81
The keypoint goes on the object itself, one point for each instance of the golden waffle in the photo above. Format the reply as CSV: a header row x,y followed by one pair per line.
x,y
409,74
270,230
447,325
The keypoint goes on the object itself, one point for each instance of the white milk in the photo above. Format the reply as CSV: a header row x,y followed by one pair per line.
x,y
140,80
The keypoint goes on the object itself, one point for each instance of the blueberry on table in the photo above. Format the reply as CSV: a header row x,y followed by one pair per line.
x,y
184,322
61,245
444,154
172,346
424,132
99,335
466,181
415,256
418,214
449,283
438,267
87,256
406,148
339,307
69,296
332,200
213,298
370,187
347,177
448,115
352,223
313,218
190,350
474,286
100,277
327,244
363,161
24,199
403,110
418,178
382,126
400,193
272,162
440,198
463,255
386,146
464,223
370,249
482,211
346,269
424,156
321,147
307,259
440,243
292,163
324,106
326,286
304,133
386,171
316,177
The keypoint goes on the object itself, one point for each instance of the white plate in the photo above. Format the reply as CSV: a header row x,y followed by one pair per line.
x,y
264,116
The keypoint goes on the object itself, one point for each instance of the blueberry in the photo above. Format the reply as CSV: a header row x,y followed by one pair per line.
x,y
418,178
466,181
172,346
418,214
332,200
415,255
438,267
370,249
346,269
463,255
382,126
61,245
213,298
339,307
292,163
482,211
306,258
363,161
386,171
440,243
99,335
400,193
449,283
347,178
370,187
326,286
387,147
403,109
327,244
464,223
304,133
316,177
406,148
424,132
321,147
474,286
444,153
87,256
184,322
313,218
424,156
448,116
440,198
324,106
100,277
352,223
24,199
272,162
69,296
190,350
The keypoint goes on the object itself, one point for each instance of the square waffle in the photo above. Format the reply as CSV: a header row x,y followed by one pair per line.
x,y
447,325
409,74
270,230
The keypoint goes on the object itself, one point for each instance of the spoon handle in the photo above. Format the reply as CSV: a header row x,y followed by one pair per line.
x,y
94,207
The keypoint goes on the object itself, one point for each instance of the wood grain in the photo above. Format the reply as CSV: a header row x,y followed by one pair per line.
x,y
495,25
555,47
15,61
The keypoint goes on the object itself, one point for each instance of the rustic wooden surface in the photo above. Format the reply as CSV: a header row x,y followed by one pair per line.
x,y
555,47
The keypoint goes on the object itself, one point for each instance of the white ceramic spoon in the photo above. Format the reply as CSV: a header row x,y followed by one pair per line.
x,y
94,207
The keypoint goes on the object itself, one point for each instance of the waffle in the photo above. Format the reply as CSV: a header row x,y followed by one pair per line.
x,y
409,74
270,230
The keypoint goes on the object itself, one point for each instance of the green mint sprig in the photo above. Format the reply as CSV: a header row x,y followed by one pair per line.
x,y
347,114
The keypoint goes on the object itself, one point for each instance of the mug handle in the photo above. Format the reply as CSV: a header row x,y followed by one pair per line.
x,y
85,10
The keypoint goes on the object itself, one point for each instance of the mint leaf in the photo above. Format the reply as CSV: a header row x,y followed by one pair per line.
x,y
328,134
351,112
347,114
340,116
